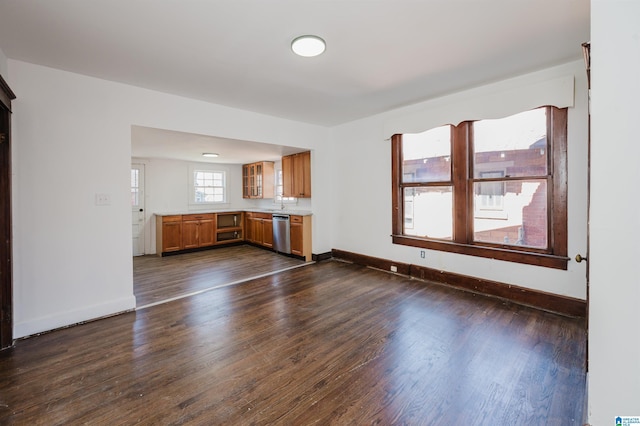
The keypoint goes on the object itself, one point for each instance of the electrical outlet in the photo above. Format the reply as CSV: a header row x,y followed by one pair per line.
x,y
103,199
422,254
394,268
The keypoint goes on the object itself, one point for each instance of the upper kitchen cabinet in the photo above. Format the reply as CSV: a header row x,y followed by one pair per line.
x,y
296,175
258,180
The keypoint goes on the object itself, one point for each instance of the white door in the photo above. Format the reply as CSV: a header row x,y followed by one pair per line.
x,y
137,208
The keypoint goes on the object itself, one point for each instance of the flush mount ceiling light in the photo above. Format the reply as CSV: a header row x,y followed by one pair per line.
x,y
209,154
308,45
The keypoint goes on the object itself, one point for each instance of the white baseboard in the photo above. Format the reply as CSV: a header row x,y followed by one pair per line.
x,y
67,318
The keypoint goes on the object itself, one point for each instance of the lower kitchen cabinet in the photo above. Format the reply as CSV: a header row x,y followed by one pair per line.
x,y
197,230
259,229
176,233
300,233
229,227
168,233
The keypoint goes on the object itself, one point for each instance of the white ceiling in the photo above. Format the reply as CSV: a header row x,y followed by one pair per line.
x,y
148,142
381,54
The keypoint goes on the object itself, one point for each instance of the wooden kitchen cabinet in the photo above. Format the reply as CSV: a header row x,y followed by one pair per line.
x,y
267,232
300,234
258,180
259,229
168,233
229,227
197,230
296,175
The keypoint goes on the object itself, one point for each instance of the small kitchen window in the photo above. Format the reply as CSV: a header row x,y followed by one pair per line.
x,y
209,187
280,189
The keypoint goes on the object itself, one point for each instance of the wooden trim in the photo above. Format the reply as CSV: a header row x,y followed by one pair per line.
x,y
558,222
462,211
397,206
373,262
321,256
6,94
6,238
463,239
555,303
527,258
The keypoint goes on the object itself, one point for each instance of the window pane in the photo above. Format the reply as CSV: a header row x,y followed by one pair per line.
x,y
426,156
517,217
428,212
135,190
209,187
515,145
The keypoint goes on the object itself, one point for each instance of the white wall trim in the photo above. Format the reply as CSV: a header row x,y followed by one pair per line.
x,y
63,319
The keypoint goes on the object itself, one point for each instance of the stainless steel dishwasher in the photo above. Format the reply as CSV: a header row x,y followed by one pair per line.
x,y
281,237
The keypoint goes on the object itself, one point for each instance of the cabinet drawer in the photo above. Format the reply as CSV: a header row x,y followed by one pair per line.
x,y
173,218
204,216
296,219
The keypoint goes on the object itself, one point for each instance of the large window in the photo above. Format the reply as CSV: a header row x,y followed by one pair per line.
x,y
490,188
209,187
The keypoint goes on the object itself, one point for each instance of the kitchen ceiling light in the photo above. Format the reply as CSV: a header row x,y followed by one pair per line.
x,y
308,45
209,154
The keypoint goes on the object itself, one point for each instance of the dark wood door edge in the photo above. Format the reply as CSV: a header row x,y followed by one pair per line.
x,y
550,302
6,94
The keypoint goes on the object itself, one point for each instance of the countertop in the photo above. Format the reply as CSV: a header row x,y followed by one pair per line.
x,y
272,211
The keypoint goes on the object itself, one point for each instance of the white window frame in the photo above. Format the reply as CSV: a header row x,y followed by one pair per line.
x,y
192,187
135,188
279,185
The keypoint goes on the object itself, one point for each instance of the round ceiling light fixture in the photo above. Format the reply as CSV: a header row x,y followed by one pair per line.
x,y
308,46
209,154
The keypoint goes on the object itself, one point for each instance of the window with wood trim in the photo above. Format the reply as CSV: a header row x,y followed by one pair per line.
x,y
489,188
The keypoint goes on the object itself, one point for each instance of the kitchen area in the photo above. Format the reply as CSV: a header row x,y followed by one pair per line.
x,y
215,220
280,228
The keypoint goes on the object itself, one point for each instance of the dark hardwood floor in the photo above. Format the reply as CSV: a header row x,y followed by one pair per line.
x,y
328,343
157,279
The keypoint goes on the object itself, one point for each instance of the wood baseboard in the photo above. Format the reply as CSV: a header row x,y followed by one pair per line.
x,y
555,303
321,256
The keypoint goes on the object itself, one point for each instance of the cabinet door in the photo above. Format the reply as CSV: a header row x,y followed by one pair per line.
x,y
305,178
253,191
258,190
206,233
296,175
258,233
267,233
249,227
287,176
190,234
171,236
245,181
296,238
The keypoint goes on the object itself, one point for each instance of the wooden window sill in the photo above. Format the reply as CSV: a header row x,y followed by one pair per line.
x,y
509,255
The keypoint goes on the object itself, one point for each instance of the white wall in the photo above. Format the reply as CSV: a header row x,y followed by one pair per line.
x,y
614,324
72,140
3,65
362,224
167,190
